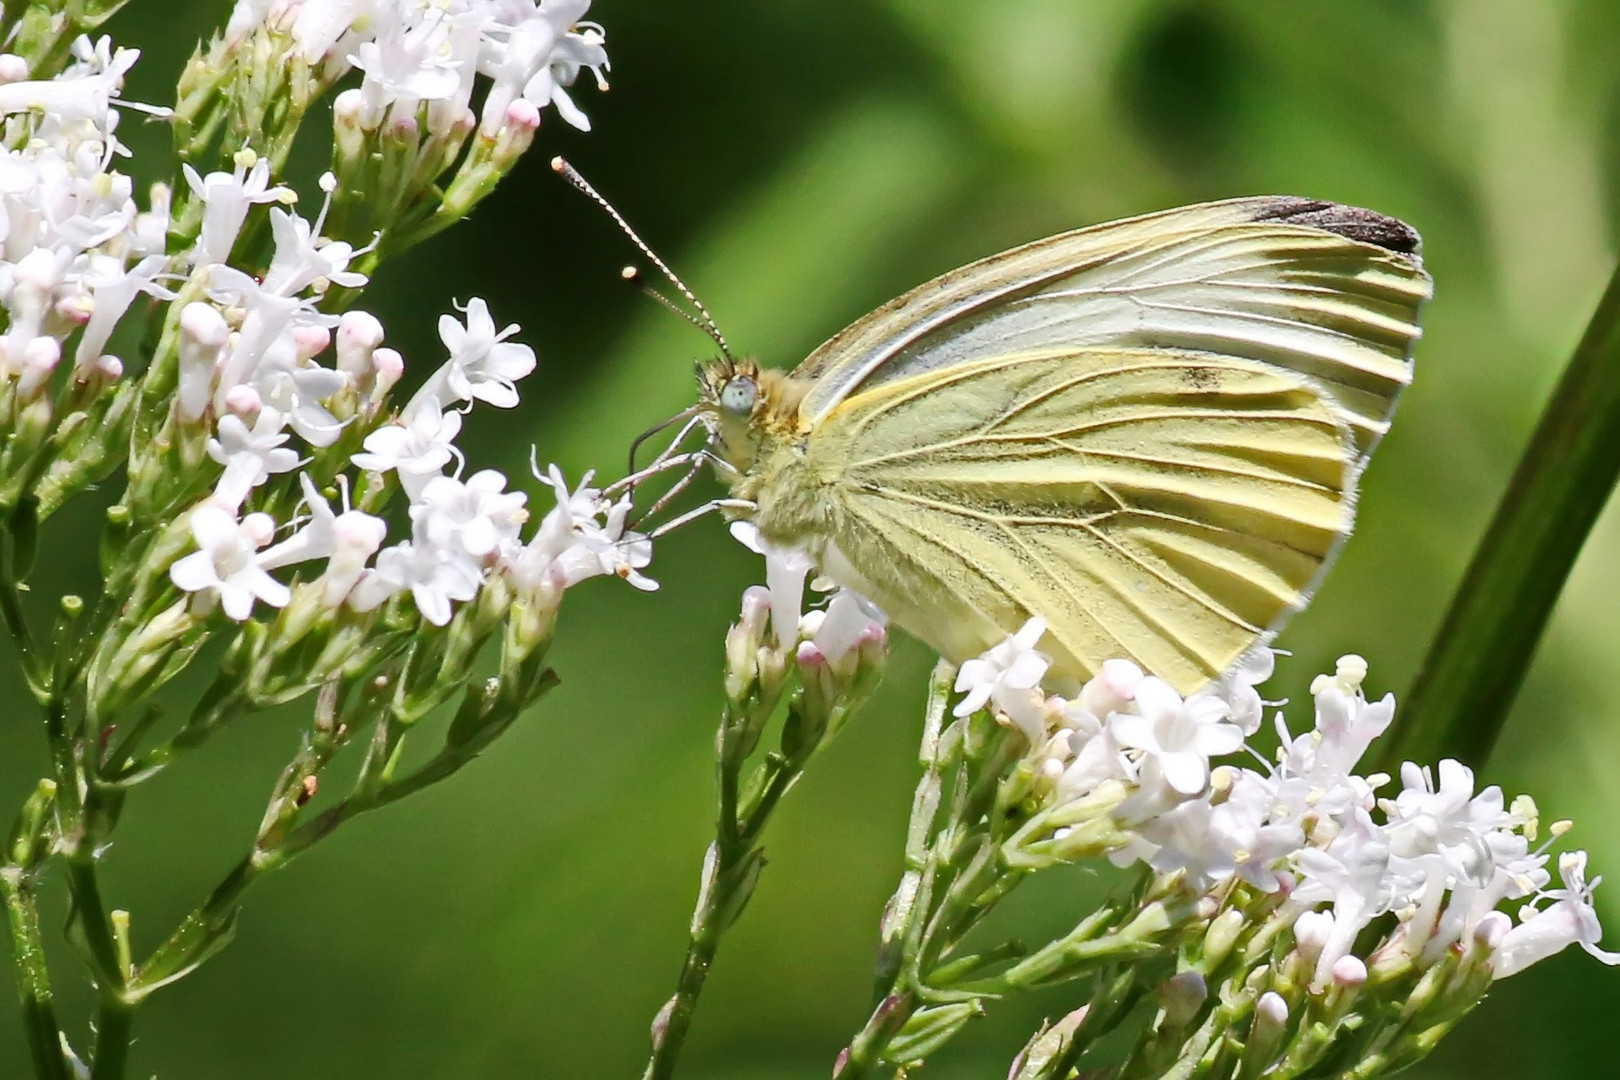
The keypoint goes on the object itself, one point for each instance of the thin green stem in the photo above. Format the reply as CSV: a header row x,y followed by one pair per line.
x,y
33,977
16,621
735,860
1479,658
114,1028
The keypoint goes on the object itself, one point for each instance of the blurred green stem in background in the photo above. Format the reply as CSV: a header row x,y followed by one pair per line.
x,y
1474,667
33,983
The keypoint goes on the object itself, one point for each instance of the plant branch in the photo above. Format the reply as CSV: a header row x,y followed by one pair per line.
x,y
33,976
1496,619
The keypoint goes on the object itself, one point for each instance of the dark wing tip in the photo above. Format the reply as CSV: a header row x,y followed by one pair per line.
x,y
1351,222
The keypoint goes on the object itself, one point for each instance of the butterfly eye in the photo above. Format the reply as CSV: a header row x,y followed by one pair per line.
x,y
738,396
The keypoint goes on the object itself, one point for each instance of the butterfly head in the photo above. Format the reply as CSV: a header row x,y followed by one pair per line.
x,y
746,406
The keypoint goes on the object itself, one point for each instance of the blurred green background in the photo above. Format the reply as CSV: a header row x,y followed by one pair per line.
x,y
802,161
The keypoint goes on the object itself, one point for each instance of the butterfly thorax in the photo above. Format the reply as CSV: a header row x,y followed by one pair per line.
x,y
754,415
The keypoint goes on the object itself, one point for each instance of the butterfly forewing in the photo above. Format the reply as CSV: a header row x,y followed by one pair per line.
x,y
1327,291
1162,506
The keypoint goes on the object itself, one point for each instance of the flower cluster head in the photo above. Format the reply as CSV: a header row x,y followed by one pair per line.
x,y
1430,862
430,52
272,402
75,250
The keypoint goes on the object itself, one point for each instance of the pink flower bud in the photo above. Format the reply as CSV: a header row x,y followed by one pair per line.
x,y
259,528
1349,971
358,335
810,657
244,401
389,366
13,68
311,341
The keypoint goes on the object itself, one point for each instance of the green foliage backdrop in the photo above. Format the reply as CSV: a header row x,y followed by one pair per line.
x,y
802,161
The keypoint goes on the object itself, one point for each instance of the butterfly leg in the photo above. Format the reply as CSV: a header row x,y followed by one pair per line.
x,y
697,512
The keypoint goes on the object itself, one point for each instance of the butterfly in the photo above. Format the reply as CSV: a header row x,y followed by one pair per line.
x,y
1148,433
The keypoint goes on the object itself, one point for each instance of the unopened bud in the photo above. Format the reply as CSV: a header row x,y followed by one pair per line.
x,y
1349,971
1181,996
388,365
1222,935
39,359
311,341
1491,929
1311,933
243,401
358,336
516,135
1267,1034
13,68
1111,689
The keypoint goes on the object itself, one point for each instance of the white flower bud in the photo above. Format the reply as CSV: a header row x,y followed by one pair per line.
x,y
39,360
358,336
311,341
1312,931
203,334
13,68
243,401
1491,929
1349,971
1182,995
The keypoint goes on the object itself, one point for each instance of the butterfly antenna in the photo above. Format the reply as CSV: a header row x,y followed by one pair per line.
x,y
631,275
706,323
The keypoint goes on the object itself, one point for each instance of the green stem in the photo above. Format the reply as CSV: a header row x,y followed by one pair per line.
x,y
33,977
114,1027
720,901
16,622
1479,658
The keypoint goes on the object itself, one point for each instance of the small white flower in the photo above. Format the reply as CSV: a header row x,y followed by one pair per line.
x,y
225,564
417,448
303,259
476,518
849,618
404,65
226,199
345,540
250,455
786,571
483,365
1570,920
1178,736
1236,687
609,549
1352,874
541,56
435,579
1009,675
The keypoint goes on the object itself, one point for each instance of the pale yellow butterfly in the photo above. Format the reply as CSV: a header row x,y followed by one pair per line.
x,y
1149,433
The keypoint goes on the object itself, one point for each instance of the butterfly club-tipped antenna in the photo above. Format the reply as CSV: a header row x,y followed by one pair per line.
x,y
702,320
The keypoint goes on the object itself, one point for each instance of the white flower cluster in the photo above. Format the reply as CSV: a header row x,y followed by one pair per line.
x,y
462,530
75,252
1438,856
416,52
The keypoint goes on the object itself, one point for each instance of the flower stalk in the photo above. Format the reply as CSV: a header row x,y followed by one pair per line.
x,y
822,685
